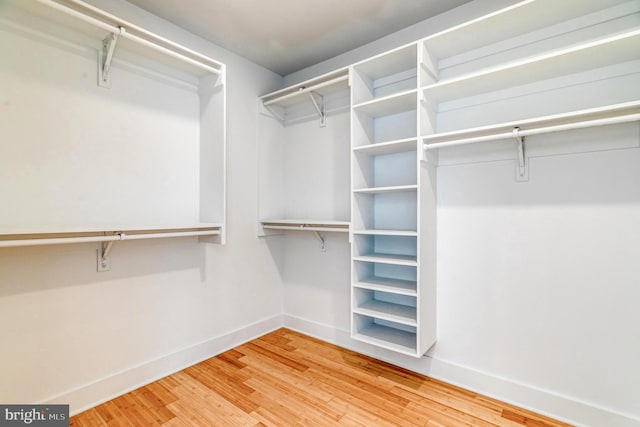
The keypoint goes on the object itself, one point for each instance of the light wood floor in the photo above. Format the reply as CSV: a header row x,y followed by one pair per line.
x,y
288,379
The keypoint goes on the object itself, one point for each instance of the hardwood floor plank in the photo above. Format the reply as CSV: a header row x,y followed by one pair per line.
x,y
288,379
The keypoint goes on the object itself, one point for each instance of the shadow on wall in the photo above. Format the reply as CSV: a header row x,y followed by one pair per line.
x,y
39,268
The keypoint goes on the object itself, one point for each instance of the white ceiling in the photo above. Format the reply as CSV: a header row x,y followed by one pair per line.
x,y
288,35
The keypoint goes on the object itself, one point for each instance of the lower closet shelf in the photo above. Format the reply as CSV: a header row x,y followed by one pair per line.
x,y
390,338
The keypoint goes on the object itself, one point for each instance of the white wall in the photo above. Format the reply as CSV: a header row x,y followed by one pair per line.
x,y
72,335
537,281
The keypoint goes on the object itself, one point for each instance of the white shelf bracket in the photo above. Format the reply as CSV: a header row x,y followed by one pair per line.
x,y
319,105
522,171
323,243
106,57
104,254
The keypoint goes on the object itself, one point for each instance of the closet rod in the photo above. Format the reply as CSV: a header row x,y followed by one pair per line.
x,y
536,131
305,89
112,238
124,33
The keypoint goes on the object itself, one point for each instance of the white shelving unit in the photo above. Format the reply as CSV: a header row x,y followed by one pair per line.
x,y
297,187
389,288
72,33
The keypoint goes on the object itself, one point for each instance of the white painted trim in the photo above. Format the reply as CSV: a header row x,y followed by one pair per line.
x,y
89,395
545,402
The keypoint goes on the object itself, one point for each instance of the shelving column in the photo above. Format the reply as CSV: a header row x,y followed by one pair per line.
x,y
389,307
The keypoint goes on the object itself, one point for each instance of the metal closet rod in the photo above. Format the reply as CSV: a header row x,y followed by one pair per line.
x,y
121,31
537,131
111,238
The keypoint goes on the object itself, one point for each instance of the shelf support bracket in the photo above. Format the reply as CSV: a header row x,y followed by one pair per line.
x,y
275,113
319,105
323,243
104,253
106,57
522,171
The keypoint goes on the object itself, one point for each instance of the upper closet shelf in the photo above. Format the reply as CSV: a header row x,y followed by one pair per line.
x,y
612,114
36,237
323,85
96,23
511,21
584,56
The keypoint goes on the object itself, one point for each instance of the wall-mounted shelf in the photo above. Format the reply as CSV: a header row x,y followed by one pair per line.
x,y
408,260
315,96
370,330
385,284
584,56
380,190
35,237
389,147
306,225
388,105
611,114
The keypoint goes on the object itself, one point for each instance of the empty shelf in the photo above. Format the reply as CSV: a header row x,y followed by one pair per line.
x,y
384,284
388,105
390,147
394,189
408,260
388,311
389,338
408,233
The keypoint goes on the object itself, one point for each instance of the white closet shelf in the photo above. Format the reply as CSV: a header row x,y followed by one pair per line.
x,y
386,64
389,105
589,55
370,232
501,24
393,189
385,284
407,260
322,85
610,114
389,338
398,313
306,225
389,147
35,237
97,23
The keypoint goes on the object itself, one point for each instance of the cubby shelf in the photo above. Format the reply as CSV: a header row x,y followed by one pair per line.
x,y
371,232
384,284
408,260
389,105
398,313
390,147
392,189
387,337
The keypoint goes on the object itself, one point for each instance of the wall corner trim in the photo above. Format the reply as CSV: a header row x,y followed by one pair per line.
x,y
89,395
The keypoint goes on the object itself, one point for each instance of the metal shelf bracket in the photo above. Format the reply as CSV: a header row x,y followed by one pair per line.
x,y
522,171
106,57
104,259
319,105
323,243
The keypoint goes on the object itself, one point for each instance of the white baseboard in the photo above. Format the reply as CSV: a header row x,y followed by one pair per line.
x,y
545,402
102,390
